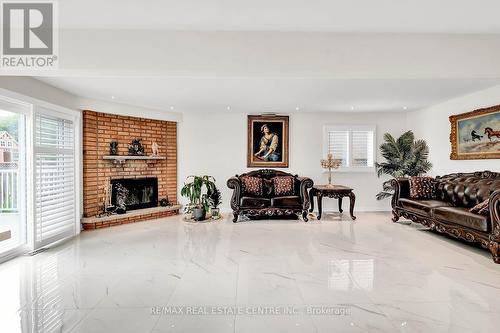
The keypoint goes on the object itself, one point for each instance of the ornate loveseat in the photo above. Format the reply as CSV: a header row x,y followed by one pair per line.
x,y
268,202
450,212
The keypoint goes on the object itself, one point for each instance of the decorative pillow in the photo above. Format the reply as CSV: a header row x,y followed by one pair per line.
x,y
267,187
251,185
422,188
283,185
481,208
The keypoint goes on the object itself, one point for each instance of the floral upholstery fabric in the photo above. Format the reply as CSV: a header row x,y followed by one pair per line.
x,y
251,185
422,188
283,185
481,208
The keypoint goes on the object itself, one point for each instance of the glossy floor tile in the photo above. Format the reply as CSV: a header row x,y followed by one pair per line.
x,y
333,275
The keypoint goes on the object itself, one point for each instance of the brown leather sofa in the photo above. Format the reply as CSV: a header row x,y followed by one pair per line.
x,y
269,204
449,213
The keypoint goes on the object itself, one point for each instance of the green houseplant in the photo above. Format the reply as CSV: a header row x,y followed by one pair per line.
x,y
405,157
215,201
198,190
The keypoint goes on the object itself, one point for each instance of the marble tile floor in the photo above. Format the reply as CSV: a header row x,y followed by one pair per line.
x,y
332,275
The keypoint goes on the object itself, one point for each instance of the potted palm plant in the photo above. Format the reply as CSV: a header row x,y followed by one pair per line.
x,y
198,190
405,157
215,201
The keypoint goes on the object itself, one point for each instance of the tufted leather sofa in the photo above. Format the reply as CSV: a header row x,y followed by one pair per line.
x,y
268,204
449,213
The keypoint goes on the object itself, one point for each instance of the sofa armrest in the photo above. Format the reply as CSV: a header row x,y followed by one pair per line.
x,y
305,183
401,190
494,207
235,184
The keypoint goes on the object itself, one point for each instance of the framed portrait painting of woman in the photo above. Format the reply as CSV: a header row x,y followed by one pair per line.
x,y
267,141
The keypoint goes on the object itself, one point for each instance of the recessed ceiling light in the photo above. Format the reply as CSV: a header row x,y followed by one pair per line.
x,y
352,107
113,97
228,107
297,108
171,108
405,108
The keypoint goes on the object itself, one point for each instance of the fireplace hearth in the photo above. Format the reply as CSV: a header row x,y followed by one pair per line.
x,y
142,192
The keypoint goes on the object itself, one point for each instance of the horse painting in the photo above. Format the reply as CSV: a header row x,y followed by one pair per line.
x,y
476,134
491,133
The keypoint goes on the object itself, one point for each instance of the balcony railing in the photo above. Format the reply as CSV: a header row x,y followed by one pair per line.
x,y
9,181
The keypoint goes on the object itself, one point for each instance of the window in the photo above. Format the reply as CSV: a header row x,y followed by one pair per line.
x,y
354,145
13,173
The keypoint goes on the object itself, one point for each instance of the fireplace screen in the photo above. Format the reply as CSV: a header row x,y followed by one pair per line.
x,y
142,192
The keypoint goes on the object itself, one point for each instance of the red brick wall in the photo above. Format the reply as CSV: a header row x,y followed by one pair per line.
x,y
99,129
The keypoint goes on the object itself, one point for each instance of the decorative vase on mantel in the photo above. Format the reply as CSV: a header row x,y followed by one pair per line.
x,y
330,163
113,148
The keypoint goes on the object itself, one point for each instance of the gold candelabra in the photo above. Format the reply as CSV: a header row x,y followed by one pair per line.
x,y
330,163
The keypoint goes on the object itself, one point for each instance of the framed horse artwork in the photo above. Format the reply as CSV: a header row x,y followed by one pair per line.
x,y
476,134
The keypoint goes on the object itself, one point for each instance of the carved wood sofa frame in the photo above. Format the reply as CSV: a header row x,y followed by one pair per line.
x,y
304,184
489,240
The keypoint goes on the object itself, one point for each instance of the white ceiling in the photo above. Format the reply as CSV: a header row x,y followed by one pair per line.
x,y
270,94
268,61
445,16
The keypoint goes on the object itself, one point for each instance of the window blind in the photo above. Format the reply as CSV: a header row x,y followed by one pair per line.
x,y
55,206
362,148
338,143
353,145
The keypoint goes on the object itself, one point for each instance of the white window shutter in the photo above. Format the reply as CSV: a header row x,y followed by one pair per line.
x,y
55,206
361,148
338,143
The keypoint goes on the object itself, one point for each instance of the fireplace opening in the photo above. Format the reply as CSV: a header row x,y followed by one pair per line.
x,y
142,192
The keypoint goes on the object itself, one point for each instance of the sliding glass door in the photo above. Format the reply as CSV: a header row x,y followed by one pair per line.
x,y
13,192
39,174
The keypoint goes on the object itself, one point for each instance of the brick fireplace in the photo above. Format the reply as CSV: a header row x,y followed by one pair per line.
x,y
99,129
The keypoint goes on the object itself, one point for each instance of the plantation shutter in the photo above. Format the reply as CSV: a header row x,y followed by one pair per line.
x,y
338,143
361,148
55,206
353,145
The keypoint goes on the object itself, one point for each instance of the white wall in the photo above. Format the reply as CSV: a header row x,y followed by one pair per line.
x,y
215,143
433,125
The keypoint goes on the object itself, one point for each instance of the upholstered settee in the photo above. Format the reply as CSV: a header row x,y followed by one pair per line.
x,y
268,193
450,212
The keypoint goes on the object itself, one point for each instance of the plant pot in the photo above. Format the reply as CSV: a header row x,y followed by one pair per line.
x,y
199,214
215,212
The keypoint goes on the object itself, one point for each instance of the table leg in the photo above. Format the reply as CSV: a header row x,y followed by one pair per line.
x,y
340,205
320,205
311,199
352,199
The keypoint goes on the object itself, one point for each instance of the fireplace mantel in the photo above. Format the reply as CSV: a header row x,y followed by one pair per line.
x,y
122,159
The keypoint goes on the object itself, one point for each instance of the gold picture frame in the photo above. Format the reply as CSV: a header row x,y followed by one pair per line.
x,y
476,134
267,141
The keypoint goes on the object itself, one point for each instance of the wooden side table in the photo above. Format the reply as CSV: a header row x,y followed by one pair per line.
x,y
335,192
